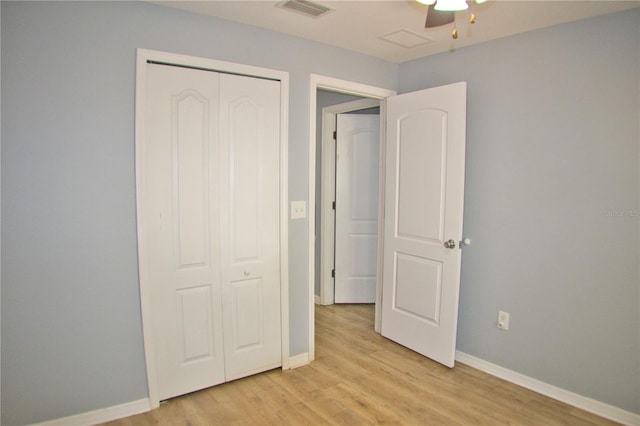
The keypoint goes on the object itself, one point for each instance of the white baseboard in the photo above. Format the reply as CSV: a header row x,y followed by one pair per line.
x,y
299,360
102,415
316,299
591,405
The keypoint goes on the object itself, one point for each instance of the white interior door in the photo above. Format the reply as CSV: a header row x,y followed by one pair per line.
x,y
181,196
424,193
250,232
211,225
357,151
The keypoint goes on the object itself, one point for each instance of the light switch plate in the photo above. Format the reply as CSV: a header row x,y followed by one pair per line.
x,y
298,209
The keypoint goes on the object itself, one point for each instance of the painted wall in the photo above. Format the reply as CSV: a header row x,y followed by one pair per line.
x,y
71,325
551,203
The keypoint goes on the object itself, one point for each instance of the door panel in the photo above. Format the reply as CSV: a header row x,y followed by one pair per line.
x,y
180,194
194,305
420,168
423,209
418,298
250,200
247,306
190,123
244,159
357,151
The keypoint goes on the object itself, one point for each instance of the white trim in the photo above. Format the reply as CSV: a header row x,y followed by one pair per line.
x,y
588,404
145,290
212,64
350,87
327,217
299,360
284,218
316,300
327,221
102,415
142,56
381,218
340,86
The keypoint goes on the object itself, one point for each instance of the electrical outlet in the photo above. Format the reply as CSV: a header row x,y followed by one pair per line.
x,y
503,320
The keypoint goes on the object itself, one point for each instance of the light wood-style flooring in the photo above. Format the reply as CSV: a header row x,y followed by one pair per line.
x,y
361,378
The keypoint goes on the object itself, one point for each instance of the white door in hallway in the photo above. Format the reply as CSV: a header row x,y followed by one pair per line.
x,y
424,194
357,166
211,226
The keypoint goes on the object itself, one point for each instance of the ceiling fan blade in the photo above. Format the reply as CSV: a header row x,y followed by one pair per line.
x,y
437,18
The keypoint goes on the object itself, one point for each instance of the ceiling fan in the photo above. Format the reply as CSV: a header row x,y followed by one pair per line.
x,y
442,12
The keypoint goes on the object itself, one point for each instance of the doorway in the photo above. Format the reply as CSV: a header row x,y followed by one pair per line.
x,y
344,90
346,197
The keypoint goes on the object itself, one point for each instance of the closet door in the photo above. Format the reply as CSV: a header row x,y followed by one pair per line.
x,y
181,227
250,232
210,225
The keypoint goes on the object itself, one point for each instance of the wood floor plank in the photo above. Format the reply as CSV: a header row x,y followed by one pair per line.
x,y
361,378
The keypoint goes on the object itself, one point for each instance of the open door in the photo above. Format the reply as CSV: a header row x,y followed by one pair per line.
x,y
424,195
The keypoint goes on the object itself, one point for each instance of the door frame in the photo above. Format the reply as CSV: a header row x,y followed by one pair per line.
x,y
327,187
351,88
142,57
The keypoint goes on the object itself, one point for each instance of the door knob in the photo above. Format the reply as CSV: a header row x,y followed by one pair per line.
x,y
451,244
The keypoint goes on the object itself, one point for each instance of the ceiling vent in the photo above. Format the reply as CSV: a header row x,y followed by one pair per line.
x,y
405,38
305,7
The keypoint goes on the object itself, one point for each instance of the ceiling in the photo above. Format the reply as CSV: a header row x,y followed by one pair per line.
x,y
359,25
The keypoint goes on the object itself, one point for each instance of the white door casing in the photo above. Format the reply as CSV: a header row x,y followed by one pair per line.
x,y
189,214
357,152
424,195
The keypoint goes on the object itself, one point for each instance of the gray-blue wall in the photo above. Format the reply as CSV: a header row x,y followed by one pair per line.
x,y
71,325
551,202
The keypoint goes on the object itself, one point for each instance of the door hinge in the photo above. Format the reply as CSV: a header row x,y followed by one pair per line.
x,y
333,205
335,135
333,273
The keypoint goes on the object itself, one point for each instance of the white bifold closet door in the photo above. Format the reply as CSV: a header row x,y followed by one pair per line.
x,y
211,191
